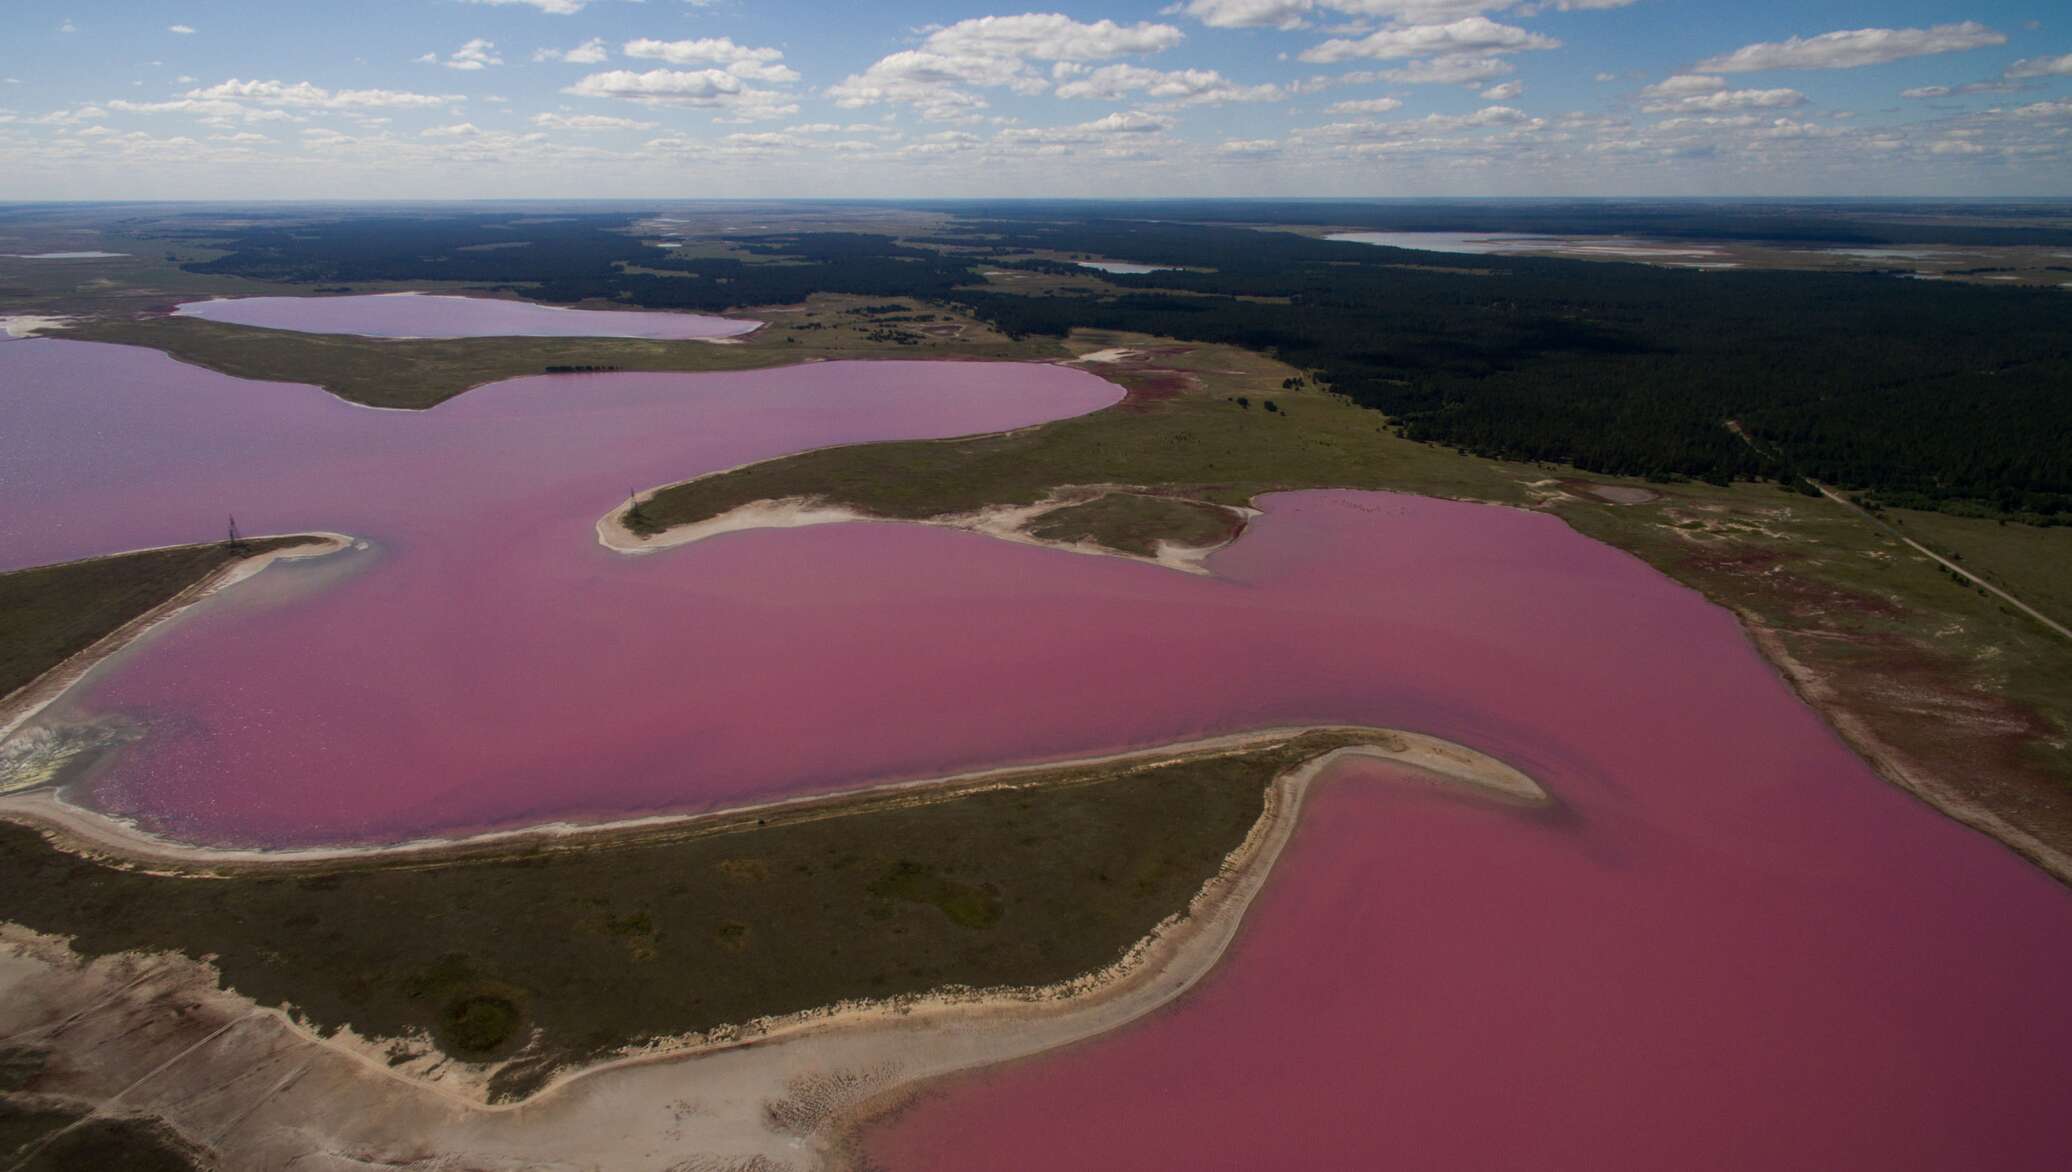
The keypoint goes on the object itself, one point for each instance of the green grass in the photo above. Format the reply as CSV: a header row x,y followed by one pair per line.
x,y
421,373
50,613
1182,433
597,945
2031,563
1136,523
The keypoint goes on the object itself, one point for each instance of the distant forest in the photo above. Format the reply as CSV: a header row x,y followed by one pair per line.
x,y
1921,394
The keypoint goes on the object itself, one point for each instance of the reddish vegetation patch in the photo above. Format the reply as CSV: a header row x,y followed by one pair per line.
x,y
1939,720
1762,574
1154,385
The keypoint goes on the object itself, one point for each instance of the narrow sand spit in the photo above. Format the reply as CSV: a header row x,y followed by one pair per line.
x,y
1005,522
264,1091
18,707
23,325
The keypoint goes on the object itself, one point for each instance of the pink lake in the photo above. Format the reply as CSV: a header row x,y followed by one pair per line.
x,y
1731,946
427,315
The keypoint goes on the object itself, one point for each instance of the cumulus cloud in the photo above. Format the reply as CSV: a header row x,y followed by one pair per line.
x,y
1945,91
1282,14
697,87
556,7
1729,100
740,60
1186,86
304,94
590,52
708,88
476,54
1684,85
1504,92
1051,36
1249,148
1366,106
2040,67
1473,34
552,121
1121,126
988,53
1851,48
1455,70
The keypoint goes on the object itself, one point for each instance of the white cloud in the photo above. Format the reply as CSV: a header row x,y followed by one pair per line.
x,y
708,88
740,60
1051,36
1973,87
1249,148
1186,86
476,54
590,52
589,122
1283,14
988,53
304,94
1367,106
1684,85
185,30
1729,100
556,7
1504,92
1449,71
1473,34
699,87
1851,48
1120,125
2041,67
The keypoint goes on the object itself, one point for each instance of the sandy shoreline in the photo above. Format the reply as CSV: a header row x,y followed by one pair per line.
x,y
85,831
773,1093
20,706
1001,522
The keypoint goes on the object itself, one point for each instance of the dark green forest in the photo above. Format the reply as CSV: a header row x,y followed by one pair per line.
x,y
1926,394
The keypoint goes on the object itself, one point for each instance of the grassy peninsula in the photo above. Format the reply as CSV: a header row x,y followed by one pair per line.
x,y
543,952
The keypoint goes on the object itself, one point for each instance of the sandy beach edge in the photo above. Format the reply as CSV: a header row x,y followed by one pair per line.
x,y
17,708
1154,962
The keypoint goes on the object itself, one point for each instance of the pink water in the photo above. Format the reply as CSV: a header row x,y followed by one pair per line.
x,y
1731,947
420,315
1796,972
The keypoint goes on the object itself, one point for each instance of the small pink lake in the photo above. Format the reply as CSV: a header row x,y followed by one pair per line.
x,y
429,315
1729,946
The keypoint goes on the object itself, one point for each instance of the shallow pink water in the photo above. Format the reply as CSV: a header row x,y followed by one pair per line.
x,y
1806,975
420,315
1732,947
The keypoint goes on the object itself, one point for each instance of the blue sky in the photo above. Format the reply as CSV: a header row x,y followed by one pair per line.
x,y
696,98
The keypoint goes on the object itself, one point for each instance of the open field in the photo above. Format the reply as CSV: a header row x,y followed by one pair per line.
x,y
2032,563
